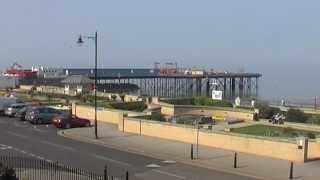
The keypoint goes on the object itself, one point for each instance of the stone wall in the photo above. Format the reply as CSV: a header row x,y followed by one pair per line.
x,y
270,148
247,144
173,110
103,115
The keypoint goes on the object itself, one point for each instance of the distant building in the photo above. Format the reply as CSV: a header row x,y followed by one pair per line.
x,y
50,72
8,82
77,84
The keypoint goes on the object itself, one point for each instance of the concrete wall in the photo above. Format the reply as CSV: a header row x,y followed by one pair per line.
x,y
171,110
275,149
103,115
187,134
132,98
314,151
167,109
54,90
26,87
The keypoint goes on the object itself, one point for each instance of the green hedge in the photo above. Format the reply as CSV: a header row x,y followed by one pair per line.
x,y
199,101
205,101
180,101
296,115
314,119
130,106
266,112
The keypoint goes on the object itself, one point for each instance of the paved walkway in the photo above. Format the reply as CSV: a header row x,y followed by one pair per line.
x,y
218,159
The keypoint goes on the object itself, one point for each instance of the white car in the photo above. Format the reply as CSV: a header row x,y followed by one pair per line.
x,y
5,102
14,108
60,107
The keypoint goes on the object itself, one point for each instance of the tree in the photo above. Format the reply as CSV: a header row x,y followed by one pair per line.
x,y
296,115
266,112
114,97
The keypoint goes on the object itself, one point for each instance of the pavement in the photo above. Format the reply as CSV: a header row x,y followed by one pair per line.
x,y
22,139
220,160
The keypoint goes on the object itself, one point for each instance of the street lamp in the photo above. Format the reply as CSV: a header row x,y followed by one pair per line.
x,y
80,41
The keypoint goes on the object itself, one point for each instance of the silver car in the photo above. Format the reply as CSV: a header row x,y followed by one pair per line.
x,y
14,108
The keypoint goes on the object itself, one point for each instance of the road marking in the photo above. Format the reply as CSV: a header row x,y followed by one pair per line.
x,y
18,135
4,147
153,166
57,145
111,160
169,162
39,130
169,174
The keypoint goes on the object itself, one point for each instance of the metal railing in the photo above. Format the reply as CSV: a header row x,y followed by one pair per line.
x,y
39,169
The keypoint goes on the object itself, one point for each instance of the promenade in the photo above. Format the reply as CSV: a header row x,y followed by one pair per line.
x,y
213,158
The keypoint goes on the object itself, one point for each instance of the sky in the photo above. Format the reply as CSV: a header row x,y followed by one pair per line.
x,y
279,39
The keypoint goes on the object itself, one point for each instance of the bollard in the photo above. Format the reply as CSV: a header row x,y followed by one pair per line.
x,y
235,160
291,171
127,175
191,152
105,172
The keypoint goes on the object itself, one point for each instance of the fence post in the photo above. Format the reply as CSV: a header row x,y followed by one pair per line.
x,y
191,152
140,127
122,123
235,160
291,171
105,173
127,175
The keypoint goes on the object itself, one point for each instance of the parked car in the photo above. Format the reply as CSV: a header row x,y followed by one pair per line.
x,y
6,102
21,114
14,108
42,115
278,119
205,120
70,121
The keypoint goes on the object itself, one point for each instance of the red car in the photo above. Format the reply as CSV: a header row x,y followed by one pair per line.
x,y
70,121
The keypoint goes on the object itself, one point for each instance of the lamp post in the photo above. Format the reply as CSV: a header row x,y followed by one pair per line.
x,y
80,41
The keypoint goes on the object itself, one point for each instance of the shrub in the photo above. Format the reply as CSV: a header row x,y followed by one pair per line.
x,y
205,101
114,97
266,112
314,118
288,130
130,106
245,107
158,117
311,135
180,101
296,115
184,121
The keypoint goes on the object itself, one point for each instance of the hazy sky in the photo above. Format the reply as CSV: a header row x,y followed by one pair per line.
x,y
278,38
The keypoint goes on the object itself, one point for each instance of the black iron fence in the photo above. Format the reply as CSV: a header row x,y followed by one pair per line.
x,y
39,169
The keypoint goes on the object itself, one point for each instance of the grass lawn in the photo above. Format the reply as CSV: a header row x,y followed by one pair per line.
x,y
273,131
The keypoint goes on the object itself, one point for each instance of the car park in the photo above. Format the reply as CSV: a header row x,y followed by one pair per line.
x,y
42,115
70,121
14,108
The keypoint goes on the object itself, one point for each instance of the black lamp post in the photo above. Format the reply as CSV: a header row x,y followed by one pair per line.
x,y
80,41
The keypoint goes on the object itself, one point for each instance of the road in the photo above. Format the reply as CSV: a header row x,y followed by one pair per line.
x,y
42,141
